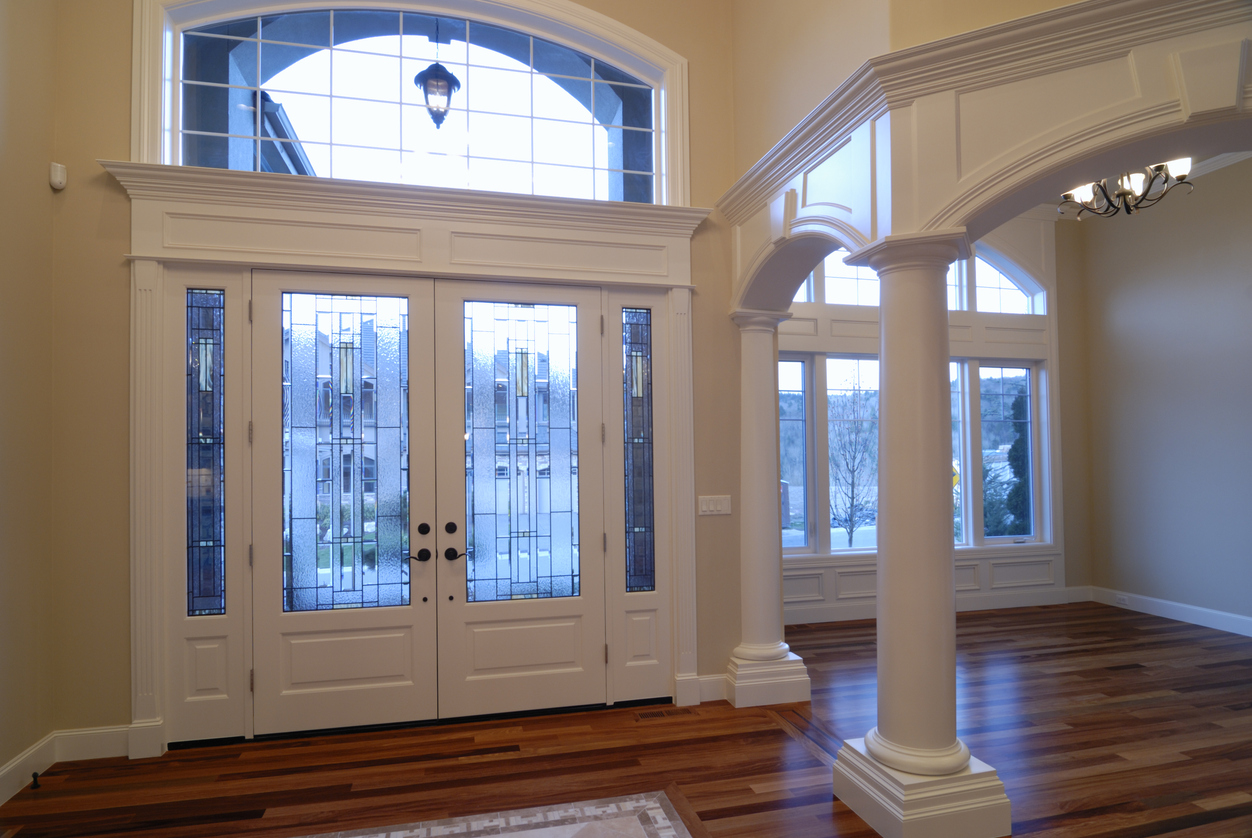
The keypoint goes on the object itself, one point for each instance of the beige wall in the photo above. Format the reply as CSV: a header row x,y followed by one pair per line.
x,y
791,55
1169,302
91,398
1074,360
28,532
916,22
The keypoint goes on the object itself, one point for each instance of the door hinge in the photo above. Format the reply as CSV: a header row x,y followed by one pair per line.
x,y
249,431
606,653
601,324
249,555
601,433
606,542
251,680
249,311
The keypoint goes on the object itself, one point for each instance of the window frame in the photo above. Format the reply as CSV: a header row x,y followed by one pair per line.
x,y
158,25
812,507
813,288
819,330
972,484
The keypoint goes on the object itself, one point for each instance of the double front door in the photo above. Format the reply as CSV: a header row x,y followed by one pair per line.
x,y
419,506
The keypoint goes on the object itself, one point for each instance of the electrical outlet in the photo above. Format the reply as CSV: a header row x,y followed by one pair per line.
x,y
1121,599
715,504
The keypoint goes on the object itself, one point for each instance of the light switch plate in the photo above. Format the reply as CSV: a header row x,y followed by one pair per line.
x,y
715,504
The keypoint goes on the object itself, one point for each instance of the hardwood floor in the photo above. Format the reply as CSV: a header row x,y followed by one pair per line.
x,y
1103,723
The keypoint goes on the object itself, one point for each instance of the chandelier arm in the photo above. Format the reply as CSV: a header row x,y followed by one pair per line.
x,y
1102,188
1152,173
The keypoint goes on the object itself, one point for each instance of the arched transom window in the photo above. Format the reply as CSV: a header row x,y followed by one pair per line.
x,y
993,290
332,94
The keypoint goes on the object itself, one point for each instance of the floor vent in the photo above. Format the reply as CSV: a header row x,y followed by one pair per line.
x,y
644,715
650,714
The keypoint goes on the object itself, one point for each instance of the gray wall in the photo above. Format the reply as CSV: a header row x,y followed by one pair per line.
x,y
1168,342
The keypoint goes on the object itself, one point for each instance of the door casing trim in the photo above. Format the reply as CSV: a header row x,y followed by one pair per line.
x,y
213,217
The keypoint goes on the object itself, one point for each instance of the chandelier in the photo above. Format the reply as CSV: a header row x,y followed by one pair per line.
x,y
1129,193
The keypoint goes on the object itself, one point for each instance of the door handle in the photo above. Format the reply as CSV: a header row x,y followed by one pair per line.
x,y
423,555
451,554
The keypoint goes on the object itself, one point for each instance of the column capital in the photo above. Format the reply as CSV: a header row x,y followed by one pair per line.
x,y
754,320
931,248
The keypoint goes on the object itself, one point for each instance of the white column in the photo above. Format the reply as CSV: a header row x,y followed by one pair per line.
x,y
916,586
762,668
913,758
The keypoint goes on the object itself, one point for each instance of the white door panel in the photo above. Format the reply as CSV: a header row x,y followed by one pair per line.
x,y
340,666
207,660
527,631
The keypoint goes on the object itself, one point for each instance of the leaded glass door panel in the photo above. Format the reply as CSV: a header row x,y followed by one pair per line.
x,y
344,621
521,526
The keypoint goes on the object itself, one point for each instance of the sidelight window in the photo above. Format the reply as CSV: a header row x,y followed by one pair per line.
x,y
637,435
206,505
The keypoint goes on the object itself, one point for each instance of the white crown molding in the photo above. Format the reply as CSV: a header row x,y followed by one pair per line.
x,y
562,21
1048,42
158,182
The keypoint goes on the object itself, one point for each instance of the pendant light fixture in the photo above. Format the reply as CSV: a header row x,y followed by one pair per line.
x,y
437,85
1129,193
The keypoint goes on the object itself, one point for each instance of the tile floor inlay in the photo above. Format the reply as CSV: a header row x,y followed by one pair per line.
x,y
648,815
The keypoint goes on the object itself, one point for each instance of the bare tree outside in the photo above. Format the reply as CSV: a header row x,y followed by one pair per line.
x,y
852,422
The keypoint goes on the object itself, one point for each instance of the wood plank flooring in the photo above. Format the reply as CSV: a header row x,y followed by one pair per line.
x,y
1103,723
1100,721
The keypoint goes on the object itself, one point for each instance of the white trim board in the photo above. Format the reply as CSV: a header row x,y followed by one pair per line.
x,y
1184,613
864,609
60,746
1170,610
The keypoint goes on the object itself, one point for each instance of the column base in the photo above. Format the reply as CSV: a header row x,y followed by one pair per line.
x,y
968,804
755,683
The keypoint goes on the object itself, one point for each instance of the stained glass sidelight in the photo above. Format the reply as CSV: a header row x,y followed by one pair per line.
x,y
345,452
521,451
637,420
206,530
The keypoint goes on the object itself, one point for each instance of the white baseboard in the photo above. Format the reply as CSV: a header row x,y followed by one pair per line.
x,y
59,746
146,739
687,690
713,687
865,609
1194,614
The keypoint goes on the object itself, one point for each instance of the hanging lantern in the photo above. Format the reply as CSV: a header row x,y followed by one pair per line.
x,y
437,85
